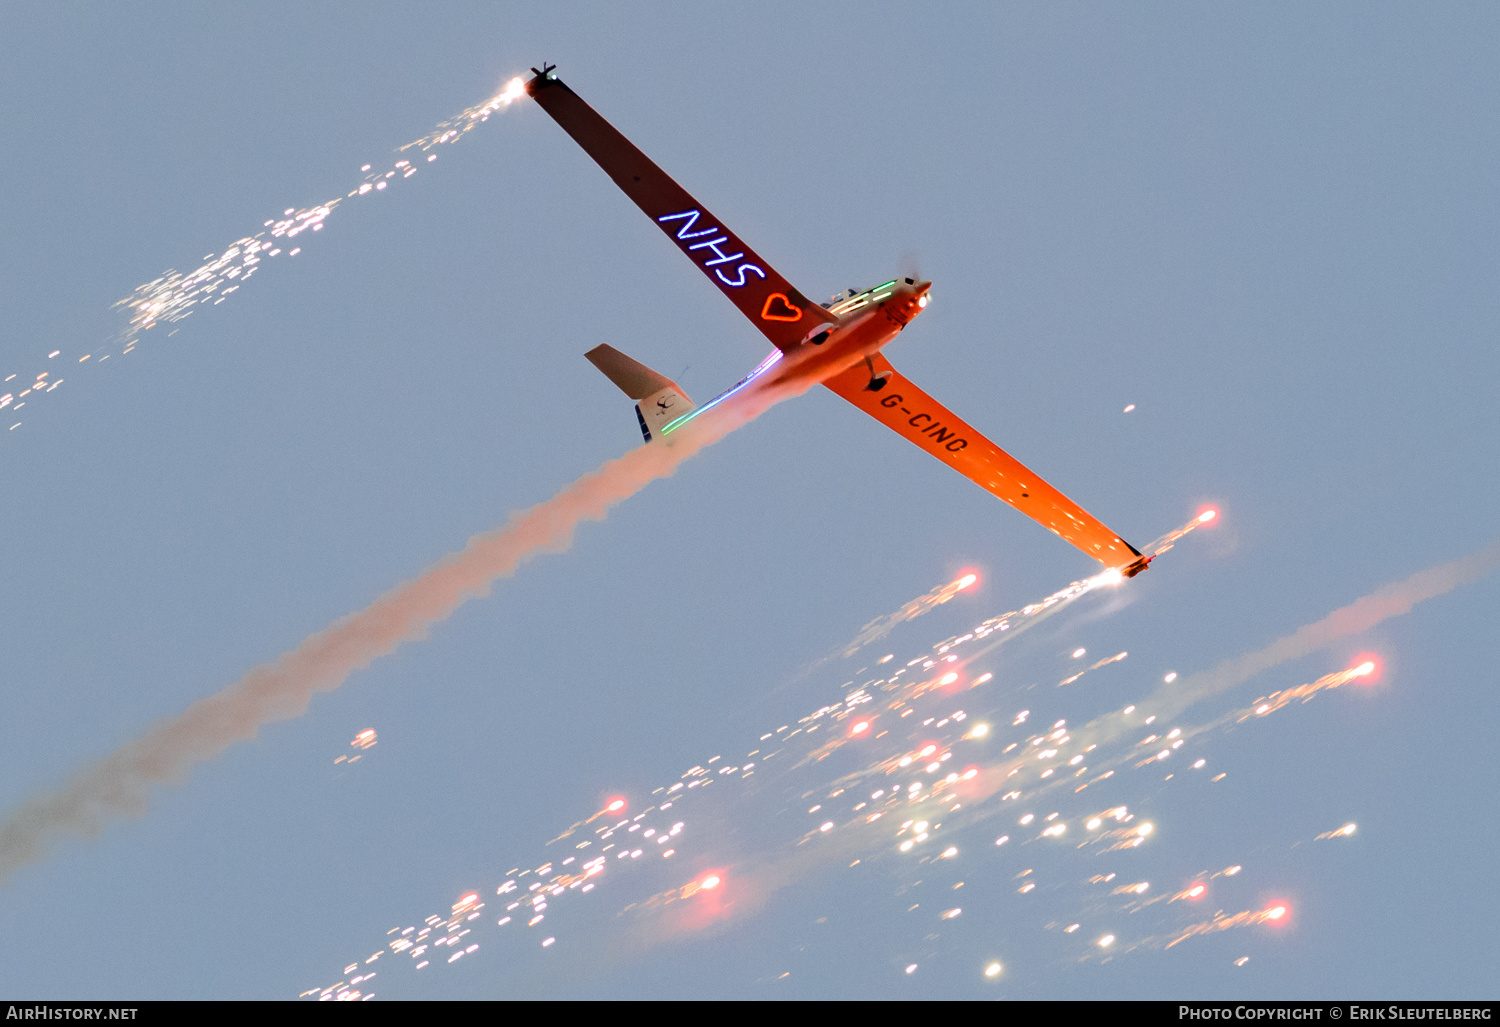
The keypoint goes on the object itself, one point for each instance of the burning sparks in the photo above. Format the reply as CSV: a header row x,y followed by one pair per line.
x,y
364,740
1116,658
871,778
1171,538
175,295
119,783
1279,700
882,626
1347,831
1271,915
897,791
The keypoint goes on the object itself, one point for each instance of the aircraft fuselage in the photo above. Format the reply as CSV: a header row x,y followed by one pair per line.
x,y
866,323
837,346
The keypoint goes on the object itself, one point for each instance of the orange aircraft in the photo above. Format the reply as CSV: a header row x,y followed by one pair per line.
x,y
838,345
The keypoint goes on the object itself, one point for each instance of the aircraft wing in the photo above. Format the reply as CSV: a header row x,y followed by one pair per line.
x,y
910,412
783,314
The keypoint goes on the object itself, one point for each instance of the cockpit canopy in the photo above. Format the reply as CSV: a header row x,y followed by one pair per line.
x,y
847,302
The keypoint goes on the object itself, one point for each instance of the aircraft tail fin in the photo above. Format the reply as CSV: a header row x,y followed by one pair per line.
x,y
658,399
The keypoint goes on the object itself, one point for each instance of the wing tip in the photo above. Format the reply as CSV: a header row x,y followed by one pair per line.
x,y
545,77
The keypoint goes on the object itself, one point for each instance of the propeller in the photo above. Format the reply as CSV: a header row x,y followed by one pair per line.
x,y
910,266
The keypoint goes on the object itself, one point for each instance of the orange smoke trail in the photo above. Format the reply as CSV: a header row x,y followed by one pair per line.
x,y
118,784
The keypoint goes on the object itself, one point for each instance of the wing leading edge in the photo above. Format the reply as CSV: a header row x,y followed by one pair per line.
x,y
911,413
772,304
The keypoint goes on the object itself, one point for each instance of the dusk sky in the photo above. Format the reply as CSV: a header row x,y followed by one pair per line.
x,y
1240,257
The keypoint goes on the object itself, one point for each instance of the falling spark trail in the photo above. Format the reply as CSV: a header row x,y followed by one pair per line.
x,y
118,783
1391,600
1224,923
1167,541
882,626
874,802
175,295
1102,663
769,872
1279,699
1005,625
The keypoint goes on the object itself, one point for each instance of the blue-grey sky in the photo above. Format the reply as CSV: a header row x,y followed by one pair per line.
x,y
1272,228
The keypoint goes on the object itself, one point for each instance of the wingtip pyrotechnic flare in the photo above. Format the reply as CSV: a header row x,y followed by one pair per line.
x,y
1204,517
710,881
175,295
1276,913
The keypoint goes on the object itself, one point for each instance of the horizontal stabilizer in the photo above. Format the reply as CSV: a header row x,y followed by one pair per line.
x,y
659,400
635,379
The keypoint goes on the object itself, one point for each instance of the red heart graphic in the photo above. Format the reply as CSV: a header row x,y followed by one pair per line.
x,y
779,308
